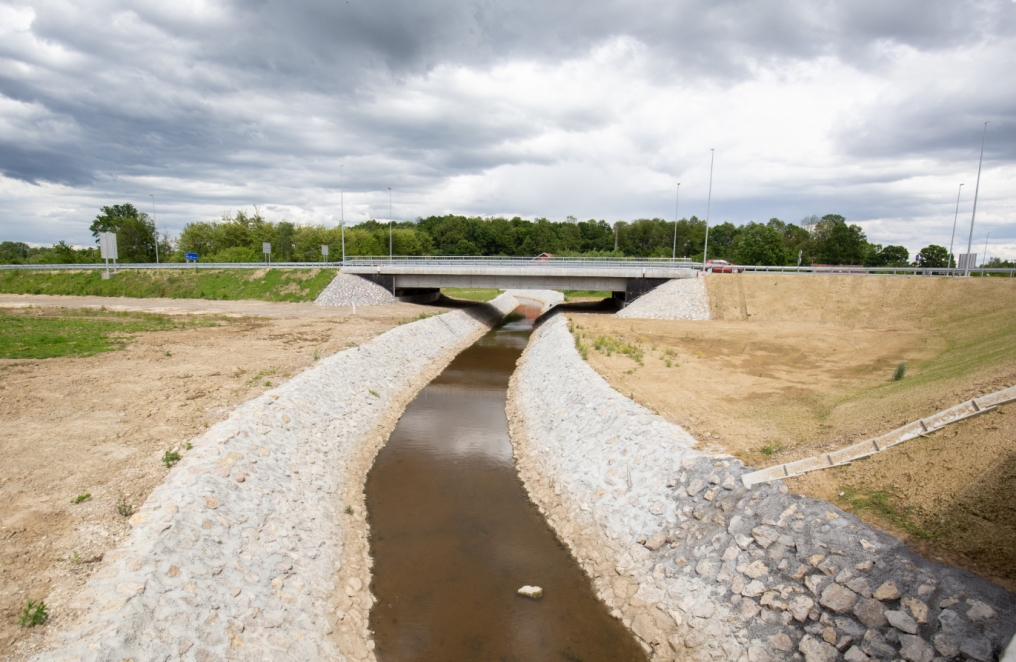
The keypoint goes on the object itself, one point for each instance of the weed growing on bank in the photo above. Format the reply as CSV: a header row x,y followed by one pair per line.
x,y
124,508
170,457
34,613
81,497
901,371
881,505
610,344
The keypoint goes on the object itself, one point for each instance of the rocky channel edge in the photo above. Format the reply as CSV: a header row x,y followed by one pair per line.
x,y
700,568
255,545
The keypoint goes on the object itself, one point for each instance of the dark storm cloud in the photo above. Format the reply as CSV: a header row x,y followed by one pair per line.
x,y
264,96
147,82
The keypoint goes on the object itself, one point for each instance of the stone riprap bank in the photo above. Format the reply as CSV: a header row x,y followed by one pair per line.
x,y
700,568
255,545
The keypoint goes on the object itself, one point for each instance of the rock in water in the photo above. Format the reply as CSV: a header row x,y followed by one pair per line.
x,y
534,592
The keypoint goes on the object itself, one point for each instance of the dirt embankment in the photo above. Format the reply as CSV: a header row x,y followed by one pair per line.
x,y
100,425
793,366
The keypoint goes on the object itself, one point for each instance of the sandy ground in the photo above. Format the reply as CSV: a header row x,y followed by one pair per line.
x,y
793,366
101,424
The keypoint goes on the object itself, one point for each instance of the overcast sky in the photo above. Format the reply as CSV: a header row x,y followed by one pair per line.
x,y
870,109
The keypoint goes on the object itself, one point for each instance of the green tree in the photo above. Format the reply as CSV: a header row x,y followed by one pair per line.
x,y
13,252
761,244
932,256
887,256
835,242
135,232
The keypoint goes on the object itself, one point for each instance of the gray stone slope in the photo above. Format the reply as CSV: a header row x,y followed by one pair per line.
x,y
348,290
678,299
701,568
255,545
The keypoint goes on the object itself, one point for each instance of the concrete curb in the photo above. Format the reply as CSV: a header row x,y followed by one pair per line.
x,y
862,449
247,549
699,567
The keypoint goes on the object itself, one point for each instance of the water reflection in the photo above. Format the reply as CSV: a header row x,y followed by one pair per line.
x,y
454,535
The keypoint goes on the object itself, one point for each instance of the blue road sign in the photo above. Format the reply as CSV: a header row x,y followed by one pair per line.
x,y
190,257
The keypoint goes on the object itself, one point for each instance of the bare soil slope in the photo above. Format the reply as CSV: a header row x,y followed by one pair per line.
x,y
100,425
792,366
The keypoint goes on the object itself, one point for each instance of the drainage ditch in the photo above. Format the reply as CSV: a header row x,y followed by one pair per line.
x,y
454,534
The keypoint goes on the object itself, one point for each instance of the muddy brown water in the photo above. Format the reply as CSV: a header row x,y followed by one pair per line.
x,y
454,535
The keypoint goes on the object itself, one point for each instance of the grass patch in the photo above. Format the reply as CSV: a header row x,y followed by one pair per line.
x,y
81,497
471,293
292,285
43,333
34,613
901,371
610,344
572,295
880,504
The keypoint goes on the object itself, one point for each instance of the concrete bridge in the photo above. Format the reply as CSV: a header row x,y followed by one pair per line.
x,y
418,279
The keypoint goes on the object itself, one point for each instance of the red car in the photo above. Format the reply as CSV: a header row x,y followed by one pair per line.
x,y
722,267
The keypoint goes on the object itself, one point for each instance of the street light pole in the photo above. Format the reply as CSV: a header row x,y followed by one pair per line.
x,y
709,203
977,189
984,258
390,223
677,207
342,214
955,217
156,226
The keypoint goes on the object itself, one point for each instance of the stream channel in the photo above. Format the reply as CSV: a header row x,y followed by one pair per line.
x,y
454,534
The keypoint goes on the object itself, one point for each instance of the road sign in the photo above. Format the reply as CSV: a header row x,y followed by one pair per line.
x,y
190,257
266,248
324,249
107,246
966,259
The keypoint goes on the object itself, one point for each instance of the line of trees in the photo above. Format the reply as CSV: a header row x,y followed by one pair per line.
x,y
238,237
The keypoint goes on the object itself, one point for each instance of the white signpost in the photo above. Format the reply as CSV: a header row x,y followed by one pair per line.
x,y
266,248
108,251
966,261
324,251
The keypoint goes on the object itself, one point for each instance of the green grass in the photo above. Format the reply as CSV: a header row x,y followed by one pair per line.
x,y
170,457
34,613
471,293
34,333
571,295
880,504
610,344
292,285
81,497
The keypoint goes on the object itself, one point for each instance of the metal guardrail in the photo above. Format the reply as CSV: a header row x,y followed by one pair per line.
x,y
522,262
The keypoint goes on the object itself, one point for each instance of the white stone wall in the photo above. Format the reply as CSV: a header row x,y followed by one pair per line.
x,y
678,299
247,550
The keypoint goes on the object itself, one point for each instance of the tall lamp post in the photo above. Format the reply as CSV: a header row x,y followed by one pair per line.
x,y
390,255
984,258
155,225
709,203
342,214
955,217
677,206
977,189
